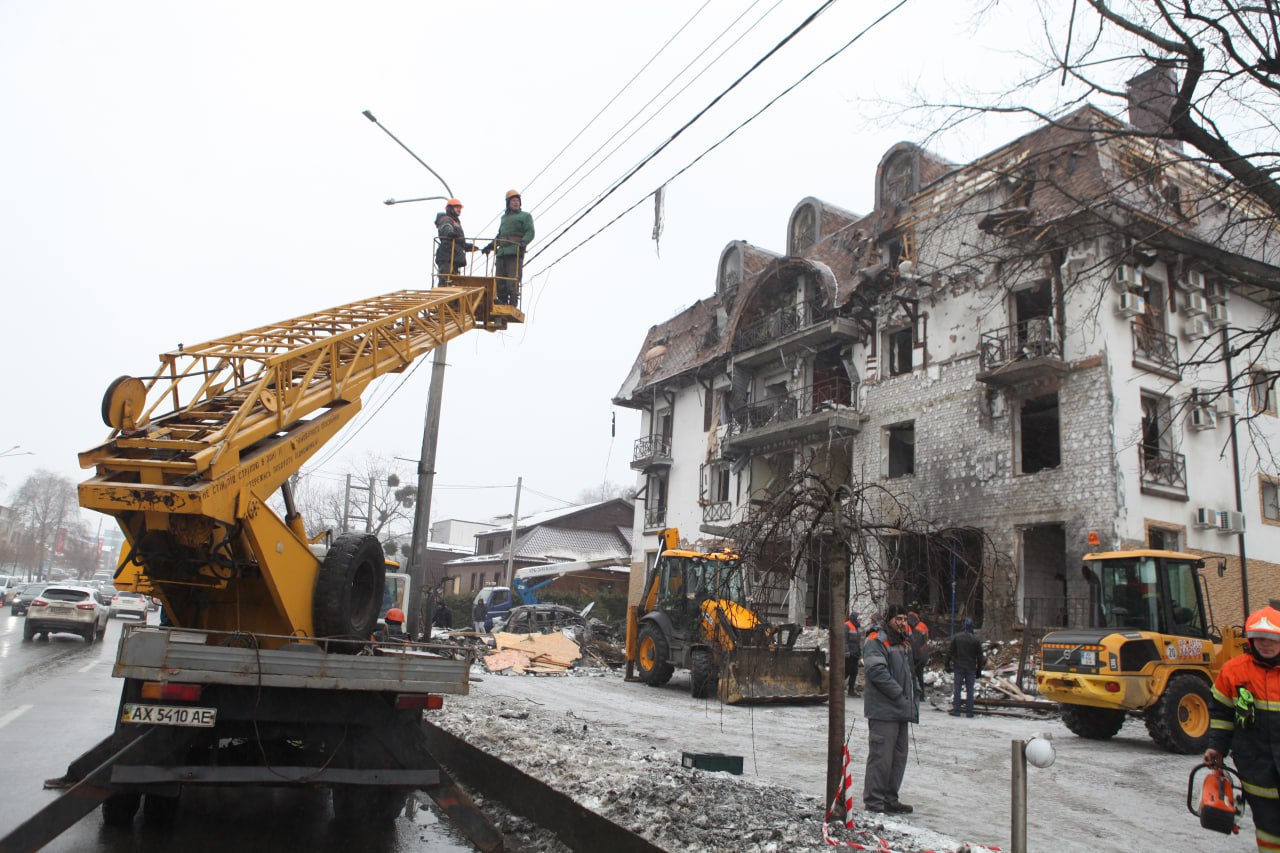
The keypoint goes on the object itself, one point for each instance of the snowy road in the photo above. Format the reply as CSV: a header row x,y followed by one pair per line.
x,y
1121,795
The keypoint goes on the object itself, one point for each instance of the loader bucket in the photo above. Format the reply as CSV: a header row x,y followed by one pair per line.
x,y
773,674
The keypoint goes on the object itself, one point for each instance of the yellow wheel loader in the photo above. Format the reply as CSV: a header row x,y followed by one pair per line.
x,y
1151,649
693,615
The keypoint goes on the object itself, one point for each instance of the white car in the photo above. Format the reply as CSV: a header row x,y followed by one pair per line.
x,y
133,603
68,609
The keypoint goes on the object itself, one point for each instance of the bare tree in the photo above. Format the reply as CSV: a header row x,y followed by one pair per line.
x,y
379,502
606,492
45,504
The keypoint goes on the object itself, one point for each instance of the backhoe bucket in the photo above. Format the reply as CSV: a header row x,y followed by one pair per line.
x,y
773,674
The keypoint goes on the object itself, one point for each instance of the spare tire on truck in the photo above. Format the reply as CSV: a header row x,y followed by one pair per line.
x,y
348,593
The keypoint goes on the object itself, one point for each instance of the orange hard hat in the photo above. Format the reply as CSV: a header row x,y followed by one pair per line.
x,y
1263,624
513,194
395,614
453,202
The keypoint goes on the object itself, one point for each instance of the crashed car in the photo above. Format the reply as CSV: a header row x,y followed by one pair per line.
x,y
543,619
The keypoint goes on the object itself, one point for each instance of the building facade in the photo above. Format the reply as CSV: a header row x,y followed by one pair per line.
x,y
1028,350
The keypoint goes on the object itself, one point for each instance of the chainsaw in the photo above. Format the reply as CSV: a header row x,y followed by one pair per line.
x,y
1219,808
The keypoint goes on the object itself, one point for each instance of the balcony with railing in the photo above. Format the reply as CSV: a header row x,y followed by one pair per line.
x,y
1155,351
1027,351
824,410
804,327
1162,472
717,511
655,517
651,452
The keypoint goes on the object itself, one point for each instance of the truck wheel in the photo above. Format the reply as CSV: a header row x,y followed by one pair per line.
x,y
349,590
702,674
1092,723
158,810
652,657
1179,720
364,805
119,809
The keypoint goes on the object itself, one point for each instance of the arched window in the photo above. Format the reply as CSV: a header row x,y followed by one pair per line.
x,y
804,229
730,269
897,181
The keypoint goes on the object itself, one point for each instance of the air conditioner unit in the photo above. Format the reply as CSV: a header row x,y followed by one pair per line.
x,y
1196,328
1231,522
1193,280
1218,315
1206,517
1203,417
1131,305
1126,276
1226,404
1195,303
1080,257
1215,291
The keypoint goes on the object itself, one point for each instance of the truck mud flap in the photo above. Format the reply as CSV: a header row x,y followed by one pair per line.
x,y
773,674
577,826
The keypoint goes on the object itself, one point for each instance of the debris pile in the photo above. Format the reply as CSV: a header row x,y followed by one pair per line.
x,y
540,654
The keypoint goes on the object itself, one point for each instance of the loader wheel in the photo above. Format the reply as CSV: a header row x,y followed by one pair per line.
x,y
652,657
702,674
1092,723
119,809
1179,720
158,810
349,590
356,804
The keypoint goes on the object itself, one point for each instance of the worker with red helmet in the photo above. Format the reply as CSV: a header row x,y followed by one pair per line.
x,y
392,629
451,251
1246,722
515,232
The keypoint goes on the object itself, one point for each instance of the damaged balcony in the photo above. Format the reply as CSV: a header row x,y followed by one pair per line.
x,y
814,412
804,328
651,452
1024,352
1162,472
1155,351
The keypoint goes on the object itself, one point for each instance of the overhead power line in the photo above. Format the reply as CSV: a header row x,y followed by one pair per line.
x,y
726,137
630,174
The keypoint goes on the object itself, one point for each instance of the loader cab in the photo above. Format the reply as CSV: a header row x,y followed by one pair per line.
x,y
686,579
1157,591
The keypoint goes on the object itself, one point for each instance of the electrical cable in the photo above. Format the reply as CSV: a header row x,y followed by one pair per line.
x,y
634,169
724,139
660,110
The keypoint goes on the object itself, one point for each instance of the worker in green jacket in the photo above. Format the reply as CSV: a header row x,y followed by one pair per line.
x,y
515,231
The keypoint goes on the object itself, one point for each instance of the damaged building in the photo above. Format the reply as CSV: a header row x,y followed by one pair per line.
x,y
1027,348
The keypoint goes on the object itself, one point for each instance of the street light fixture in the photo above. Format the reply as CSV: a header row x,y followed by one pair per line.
x,y
14,451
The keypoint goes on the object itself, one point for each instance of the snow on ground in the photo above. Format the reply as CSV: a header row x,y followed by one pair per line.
x,y
616,747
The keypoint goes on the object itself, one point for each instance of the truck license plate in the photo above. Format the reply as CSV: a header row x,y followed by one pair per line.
x,y
168,715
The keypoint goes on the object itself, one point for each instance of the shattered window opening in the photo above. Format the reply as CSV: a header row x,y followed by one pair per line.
x,y
1039,434
898,344
900,447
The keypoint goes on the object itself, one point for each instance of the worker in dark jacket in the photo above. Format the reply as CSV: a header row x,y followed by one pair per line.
x,y
442,617
515,233
392,628
852,650
1245,720
890,704
451,251
479,613
919,639
965,659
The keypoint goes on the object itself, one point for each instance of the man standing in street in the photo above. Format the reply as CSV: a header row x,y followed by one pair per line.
x,y
451,252
965,659
890,704
852,650
515,232
479,613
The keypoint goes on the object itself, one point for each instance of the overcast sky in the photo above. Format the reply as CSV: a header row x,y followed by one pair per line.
x,y
175,172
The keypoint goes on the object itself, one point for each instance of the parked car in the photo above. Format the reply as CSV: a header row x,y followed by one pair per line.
x,y
68,609
133,603
22,597
542,619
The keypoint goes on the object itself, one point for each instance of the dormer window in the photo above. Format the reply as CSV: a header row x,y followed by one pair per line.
x,y
897,181
730,269
804,230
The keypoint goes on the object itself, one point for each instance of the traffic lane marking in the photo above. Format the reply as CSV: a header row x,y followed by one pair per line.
x,y
14,714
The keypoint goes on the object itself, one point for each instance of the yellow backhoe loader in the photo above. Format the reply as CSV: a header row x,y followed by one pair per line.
x,y
693,615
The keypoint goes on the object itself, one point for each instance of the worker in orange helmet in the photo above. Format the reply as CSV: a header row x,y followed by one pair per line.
x,y
452,248
392,629
515,232
1245,720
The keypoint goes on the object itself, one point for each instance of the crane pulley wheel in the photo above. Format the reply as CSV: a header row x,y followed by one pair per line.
x,y
124,402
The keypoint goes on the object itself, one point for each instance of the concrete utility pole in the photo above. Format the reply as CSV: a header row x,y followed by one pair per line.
x,y
427,471
837,604
346,507
515,522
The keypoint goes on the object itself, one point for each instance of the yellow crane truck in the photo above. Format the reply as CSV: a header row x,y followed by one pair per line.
x,y
693,614
263,672
1151,648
